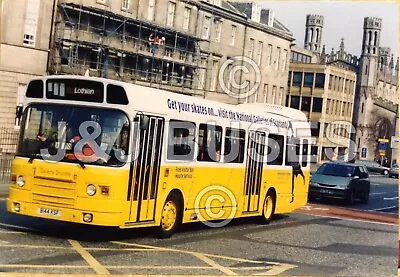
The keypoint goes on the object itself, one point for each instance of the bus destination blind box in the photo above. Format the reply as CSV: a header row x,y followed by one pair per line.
x,y
78,90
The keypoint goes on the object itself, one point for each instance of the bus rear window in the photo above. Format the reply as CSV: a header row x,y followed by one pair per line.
x,y
73,89
35,89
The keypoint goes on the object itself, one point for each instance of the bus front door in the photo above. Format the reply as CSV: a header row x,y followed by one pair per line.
x,y
254,169
146,168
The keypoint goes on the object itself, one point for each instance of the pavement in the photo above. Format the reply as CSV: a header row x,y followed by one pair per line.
x,y
4,190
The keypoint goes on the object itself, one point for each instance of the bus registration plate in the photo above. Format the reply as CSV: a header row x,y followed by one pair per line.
x,y
46,211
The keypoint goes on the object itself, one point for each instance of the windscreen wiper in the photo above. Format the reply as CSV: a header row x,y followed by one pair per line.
x,y
32,157
82,164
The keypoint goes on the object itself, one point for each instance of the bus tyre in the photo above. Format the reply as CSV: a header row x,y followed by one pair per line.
x,y
171,217
268,208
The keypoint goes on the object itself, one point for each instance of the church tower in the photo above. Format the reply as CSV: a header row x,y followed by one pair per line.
x,y
313,35
370,52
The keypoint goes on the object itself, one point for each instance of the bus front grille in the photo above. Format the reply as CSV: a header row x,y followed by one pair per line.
x,y
56,194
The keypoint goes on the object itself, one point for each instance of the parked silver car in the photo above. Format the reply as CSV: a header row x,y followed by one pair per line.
x,y
347,181
373,166
394,171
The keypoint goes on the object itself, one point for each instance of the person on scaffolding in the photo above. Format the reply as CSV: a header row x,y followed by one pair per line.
x,y
153,43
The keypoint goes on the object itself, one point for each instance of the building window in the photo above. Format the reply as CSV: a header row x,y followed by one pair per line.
x,y
308,80
31,22
186,18
265,93
330,81
125,4
362,107
295,102
209,141
289,78
214,75
317,104
206,27
305,103
218,29
233,34
280,96
315,128
273,100
284,60
201,78
171,14
278,58
251,50
297,79
260,50
269,54
319,80
151,10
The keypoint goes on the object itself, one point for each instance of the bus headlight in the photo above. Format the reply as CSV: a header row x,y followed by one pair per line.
x,y
91,190
21,181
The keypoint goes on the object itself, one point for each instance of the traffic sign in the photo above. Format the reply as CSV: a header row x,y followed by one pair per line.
x,y
383,140
363,152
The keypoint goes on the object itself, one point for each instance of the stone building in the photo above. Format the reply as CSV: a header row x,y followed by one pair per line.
x,y
325,93
180,46
375,102
24,45
377,95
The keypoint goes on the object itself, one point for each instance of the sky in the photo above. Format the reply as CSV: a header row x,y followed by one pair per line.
x,y
342,19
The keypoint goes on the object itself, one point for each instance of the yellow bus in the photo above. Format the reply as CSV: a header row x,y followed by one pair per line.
x,y
102,152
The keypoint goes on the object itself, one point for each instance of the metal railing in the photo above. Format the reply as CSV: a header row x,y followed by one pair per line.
x,y
8,146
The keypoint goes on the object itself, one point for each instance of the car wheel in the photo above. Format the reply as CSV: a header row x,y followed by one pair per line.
x,y
365,197
385,172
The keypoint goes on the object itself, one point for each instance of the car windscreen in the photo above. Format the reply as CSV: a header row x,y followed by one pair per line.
x,y
339,170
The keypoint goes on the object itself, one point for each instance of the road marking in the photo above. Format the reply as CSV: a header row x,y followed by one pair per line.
x,y
214,264
382,209
34,246
89,258
351,219
276,270
41,266
275,267
310,208
377,193
12,232
15,226
390,198
2,242
191,252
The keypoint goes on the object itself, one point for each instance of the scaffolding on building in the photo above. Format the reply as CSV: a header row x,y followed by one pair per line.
x,y
116,46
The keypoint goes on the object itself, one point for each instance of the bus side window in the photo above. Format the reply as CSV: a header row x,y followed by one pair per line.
x,y
181,140
234,145
275,149
210,142
304,153
292,151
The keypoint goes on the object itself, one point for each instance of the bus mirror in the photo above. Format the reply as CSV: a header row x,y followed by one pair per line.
x,y
18,112
144,122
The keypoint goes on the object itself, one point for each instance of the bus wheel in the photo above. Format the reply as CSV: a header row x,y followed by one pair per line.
x,y
268,208
171,217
